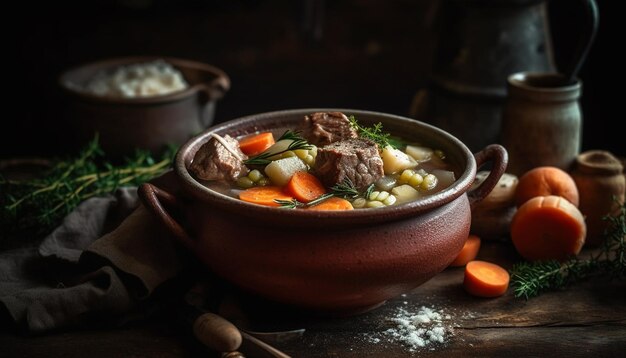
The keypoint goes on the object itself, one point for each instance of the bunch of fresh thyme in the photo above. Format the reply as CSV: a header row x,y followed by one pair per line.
x,y
529,279
32,208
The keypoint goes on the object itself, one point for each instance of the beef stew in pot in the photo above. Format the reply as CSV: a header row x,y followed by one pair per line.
x,y
329,162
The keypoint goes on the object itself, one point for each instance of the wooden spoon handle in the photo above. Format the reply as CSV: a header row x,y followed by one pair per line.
x,y
216,332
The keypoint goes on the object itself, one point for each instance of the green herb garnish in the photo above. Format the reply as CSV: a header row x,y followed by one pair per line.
x,y
529,279
297,143
375,134
30,209
344,190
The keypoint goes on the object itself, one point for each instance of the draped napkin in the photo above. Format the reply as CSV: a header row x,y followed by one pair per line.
x,y
102,265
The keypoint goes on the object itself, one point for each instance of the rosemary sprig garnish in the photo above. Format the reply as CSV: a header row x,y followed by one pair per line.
x,y
344,190
297,143
295,203
529,279
32,208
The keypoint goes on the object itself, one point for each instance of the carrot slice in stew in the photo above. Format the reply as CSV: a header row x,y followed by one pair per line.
x,y
264,195
468,252
333,203
305,187
484,279
256,143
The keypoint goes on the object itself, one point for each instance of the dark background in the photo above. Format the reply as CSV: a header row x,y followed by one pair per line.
x,y
369,54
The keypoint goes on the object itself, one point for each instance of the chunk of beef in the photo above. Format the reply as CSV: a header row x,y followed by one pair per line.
x,y
355,159
323,128
213,161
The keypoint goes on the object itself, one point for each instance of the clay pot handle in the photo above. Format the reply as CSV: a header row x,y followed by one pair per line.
x,y
153,197
217,87
500,158
210,92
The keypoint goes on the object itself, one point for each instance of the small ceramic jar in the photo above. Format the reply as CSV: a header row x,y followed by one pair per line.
x,y
600,180
541,121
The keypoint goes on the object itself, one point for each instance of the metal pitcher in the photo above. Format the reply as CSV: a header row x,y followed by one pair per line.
x,y
479,44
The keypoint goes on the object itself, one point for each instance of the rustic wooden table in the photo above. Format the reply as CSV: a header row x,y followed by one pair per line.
x,y
585,320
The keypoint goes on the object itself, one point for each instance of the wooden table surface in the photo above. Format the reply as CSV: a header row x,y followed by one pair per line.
x,y
587,319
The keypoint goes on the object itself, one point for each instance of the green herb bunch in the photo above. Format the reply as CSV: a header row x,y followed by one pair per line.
x,y
529,279
32,208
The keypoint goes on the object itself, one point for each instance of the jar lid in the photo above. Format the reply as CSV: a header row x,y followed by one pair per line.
x,y
598,162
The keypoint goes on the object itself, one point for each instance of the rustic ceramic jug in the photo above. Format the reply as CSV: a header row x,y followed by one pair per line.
x,y
601,185
541,121
479,43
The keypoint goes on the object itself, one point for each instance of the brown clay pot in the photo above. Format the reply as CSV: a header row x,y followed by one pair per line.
x,y
151,123
602,187
330,262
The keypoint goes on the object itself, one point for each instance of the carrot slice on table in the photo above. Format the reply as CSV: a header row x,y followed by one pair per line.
x,y
256,143
484,279
333,203
305,187
548,228
264,195
468,252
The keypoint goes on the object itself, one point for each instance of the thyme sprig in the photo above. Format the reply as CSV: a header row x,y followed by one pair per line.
x,y
32,208
345,190
375,134
297,143
529,279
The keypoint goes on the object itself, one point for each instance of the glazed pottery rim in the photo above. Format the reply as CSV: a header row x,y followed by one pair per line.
x,y
528,80
198,191
68,84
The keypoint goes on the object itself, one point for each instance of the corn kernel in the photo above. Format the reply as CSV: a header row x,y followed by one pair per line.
x,y
255,175
416,180
245,182
430,182
382,196
373,195
406,175
359,203
390,200
374,204
301,153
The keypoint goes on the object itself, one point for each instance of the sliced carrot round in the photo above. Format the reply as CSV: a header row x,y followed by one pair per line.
x,y
305,186
468,252
264,195
256,143
333,203
485,279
